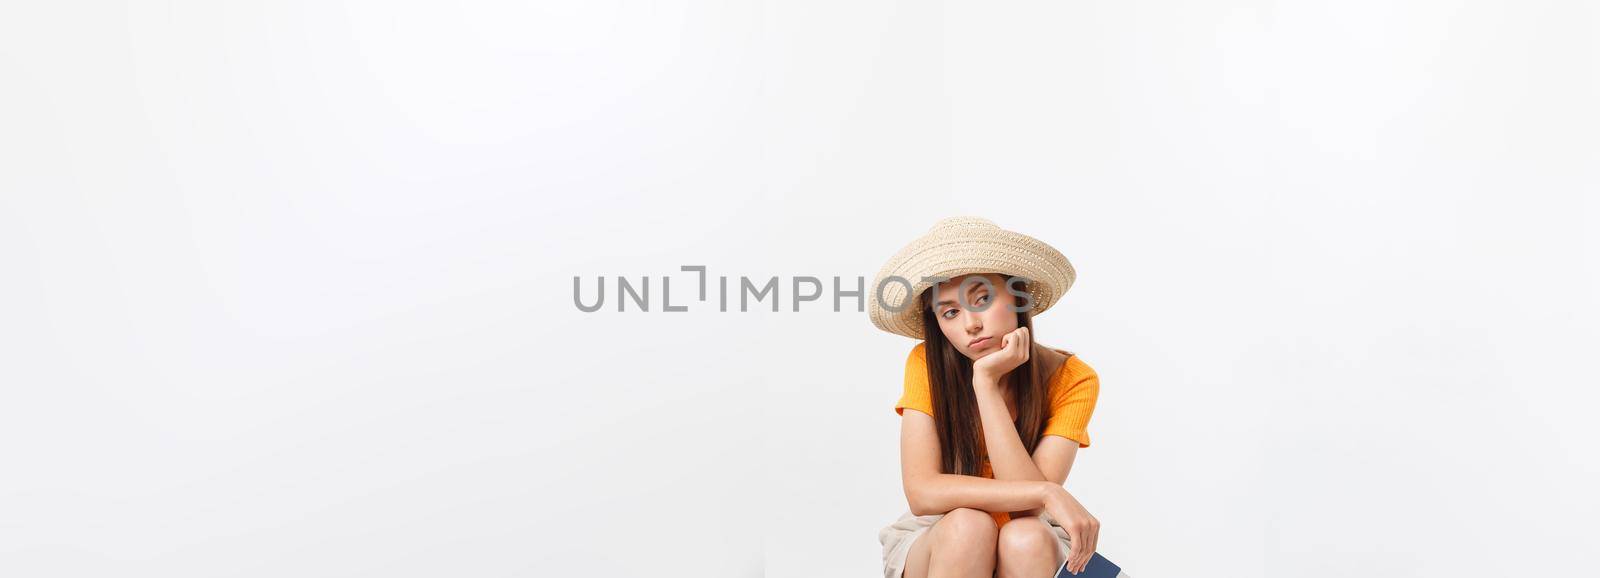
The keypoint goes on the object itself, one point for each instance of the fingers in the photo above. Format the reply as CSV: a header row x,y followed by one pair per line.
x,y
1017,344
1072,555
1095,540
1018,337
1016,347
1076,561
1091,541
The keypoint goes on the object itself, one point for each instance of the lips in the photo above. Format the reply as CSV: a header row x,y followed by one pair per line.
x,y
980,342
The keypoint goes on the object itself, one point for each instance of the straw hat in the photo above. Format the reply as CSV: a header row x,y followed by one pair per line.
x,y
957,246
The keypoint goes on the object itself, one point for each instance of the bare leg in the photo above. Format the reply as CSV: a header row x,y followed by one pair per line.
x,y
959,545
1028,548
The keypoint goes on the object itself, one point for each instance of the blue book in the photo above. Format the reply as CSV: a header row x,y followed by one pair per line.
x,y
1098,567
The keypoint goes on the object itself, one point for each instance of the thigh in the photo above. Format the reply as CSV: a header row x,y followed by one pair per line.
x,y
953,528
917,558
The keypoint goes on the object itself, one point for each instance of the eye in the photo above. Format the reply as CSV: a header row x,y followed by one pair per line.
x,y
947,313
981,300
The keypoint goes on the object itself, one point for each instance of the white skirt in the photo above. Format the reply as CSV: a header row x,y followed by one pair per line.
x,y
898,536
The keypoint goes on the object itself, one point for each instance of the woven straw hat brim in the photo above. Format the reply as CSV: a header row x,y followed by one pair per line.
x,y
958,246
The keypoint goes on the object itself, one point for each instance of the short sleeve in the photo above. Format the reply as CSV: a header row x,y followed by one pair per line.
x,y
916,395
1072,398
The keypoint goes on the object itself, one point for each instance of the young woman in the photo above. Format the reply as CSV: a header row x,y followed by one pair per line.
x,y
998,418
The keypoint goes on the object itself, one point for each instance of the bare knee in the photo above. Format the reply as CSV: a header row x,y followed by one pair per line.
x,y
968,528
1027,538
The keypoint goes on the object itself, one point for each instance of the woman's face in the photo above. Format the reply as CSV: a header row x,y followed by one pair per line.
x,y
974,333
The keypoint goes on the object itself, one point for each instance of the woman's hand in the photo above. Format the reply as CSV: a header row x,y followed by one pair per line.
x,y
1015,347
1082,527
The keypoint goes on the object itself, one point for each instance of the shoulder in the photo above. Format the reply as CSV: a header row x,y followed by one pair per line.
x,y
1076,366
918,355
916,363
1072,372
917,394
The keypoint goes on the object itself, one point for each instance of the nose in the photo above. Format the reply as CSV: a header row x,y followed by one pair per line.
x,y
974,324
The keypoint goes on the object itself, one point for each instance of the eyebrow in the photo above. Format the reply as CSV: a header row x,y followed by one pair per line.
x,y
975,286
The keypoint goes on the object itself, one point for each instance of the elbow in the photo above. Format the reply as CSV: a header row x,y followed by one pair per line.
x,y
918,500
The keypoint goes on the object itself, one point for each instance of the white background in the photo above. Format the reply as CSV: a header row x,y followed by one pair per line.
x,y
287,287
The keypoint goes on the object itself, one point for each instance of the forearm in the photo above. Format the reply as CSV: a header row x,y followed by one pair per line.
x,y
1007,456
941,493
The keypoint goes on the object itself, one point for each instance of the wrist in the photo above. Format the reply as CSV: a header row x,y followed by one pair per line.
x,y
1047,493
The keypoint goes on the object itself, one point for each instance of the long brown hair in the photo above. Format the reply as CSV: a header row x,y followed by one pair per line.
x,y
955,405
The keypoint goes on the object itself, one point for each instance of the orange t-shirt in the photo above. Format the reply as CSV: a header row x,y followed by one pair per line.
x,y
1074,388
